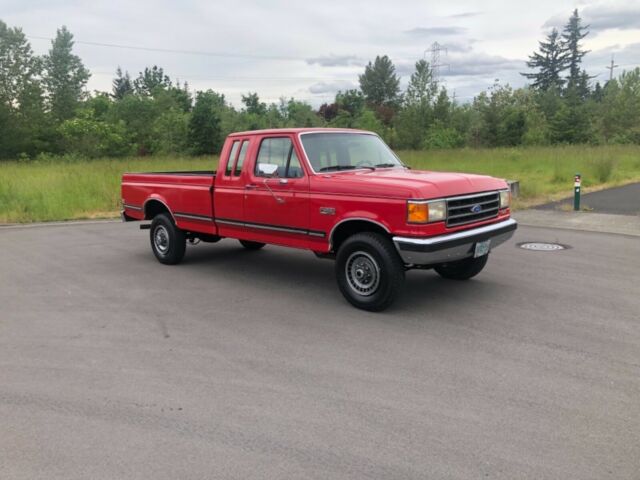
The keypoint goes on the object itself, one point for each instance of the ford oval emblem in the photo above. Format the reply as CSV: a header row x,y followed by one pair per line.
x,y
477,208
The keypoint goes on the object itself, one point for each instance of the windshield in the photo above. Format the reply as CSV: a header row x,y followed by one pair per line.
x,y
347,151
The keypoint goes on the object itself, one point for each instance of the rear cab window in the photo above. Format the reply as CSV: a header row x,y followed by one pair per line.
x,y
232,158
237,156
237,169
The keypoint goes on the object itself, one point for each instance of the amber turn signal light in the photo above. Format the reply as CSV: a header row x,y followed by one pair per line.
x,y
417,212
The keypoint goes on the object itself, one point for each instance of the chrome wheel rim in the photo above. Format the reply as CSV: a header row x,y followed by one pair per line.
x,y
363,273
161,239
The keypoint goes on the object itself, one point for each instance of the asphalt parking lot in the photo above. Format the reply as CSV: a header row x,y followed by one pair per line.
x,y
623,200
250,365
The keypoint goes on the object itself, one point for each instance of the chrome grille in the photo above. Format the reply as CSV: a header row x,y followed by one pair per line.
x,y
472,208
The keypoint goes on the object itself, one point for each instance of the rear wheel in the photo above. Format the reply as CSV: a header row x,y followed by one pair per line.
x,y
249,245
369,271
462,269
168,242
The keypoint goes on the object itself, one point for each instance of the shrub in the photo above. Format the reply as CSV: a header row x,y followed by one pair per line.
x,y
86,136
602,169
440,136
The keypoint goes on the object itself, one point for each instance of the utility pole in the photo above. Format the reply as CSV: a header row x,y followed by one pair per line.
x,y
435,50
611,67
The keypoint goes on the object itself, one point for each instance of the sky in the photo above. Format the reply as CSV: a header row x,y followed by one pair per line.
x,y
310,50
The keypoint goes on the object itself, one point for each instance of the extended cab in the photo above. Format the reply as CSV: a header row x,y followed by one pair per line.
x,y
340,193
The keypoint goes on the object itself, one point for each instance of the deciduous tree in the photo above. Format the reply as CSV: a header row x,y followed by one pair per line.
x,y
380,84
65,77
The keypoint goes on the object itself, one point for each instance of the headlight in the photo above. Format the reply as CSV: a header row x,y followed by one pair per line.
x,y
422,211
505,198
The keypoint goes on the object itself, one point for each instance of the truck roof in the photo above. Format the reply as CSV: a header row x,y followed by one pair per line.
x,y
270,131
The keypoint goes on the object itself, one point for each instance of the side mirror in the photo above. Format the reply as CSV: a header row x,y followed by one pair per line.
x,y
267,169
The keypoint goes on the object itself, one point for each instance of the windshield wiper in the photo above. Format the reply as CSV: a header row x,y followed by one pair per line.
x,y
386,165
331,168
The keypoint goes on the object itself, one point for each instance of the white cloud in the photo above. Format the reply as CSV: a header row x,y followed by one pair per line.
x,y
603,16
331,87
310,49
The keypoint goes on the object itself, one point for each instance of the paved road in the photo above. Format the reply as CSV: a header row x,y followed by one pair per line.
x,y
620,200
249,365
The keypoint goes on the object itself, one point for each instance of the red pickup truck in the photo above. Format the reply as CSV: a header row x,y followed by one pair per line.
x,y
340,193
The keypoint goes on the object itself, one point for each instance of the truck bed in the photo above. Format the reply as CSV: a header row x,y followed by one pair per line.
x,y
188,195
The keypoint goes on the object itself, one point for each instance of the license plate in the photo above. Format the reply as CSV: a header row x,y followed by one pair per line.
x,y
482,248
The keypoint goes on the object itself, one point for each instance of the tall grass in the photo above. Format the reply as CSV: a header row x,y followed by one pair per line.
x,y
545,173
63,189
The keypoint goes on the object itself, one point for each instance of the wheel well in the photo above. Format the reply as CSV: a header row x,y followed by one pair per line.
x,y
350,227
153,208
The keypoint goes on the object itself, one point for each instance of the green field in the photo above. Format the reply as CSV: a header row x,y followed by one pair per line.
x,y
65,189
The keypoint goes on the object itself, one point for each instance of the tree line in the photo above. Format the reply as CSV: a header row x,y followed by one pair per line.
x,y
46,109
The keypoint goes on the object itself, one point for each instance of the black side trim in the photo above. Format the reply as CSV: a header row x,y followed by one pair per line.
x,y
184,173
413,247
193,216
277,228
132,207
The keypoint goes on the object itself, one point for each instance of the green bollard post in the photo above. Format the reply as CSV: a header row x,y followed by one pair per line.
x,y
576,192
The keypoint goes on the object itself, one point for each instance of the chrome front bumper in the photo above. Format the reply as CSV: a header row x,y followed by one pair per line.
x,y
453,246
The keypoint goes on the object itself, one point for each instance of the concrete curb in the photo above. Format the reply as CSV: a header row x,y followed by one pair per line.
x,y
584,221
11,226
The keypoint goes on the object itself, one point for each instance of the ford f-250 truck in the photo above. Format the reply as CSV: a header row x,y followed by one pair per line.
x,y
340,193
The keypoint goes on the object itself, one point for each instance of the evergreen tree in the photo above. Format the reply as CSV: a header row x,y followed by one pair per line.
x,y
380,84
570,124
597,93
572,34
65,77
122,85
581,87
551,61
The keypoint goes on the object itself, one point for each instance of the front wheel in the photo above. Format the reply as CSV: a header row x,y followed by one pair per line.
x,y
168,242
369,271
462,269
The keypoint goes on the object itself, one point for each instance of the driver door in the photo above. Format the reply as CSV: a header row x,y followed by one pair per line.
x,y
276,200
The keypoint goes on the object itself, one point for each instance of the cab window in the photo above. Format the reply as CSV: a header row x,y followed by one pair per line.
x,y
232,157
241,156
280,152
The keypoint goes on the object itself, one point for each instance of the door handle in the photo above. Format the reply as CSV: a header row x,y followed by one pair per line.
x,y
250,186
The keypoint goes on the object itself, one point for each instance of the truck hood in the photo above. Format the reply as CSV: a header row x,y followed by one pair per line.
x,y
404,183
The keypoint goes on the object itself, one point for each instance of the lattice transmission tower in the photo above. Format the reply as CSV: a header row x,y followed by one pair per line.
x,y
436,51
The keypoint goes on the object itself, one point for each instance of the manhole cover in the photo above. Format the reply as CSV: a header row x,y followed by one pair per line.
x,y
542,246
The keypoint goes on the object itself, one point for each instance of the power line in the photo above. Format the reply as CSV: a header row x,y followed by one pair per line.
x,y
229,77
181,52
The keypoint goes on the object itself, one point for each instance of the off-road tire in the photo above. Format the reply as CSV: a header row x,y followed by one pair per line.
x,y
369,271
168,242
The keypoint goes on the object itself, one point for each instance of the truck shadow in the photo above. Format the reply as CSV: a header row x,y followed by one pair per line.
x,y
297,274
